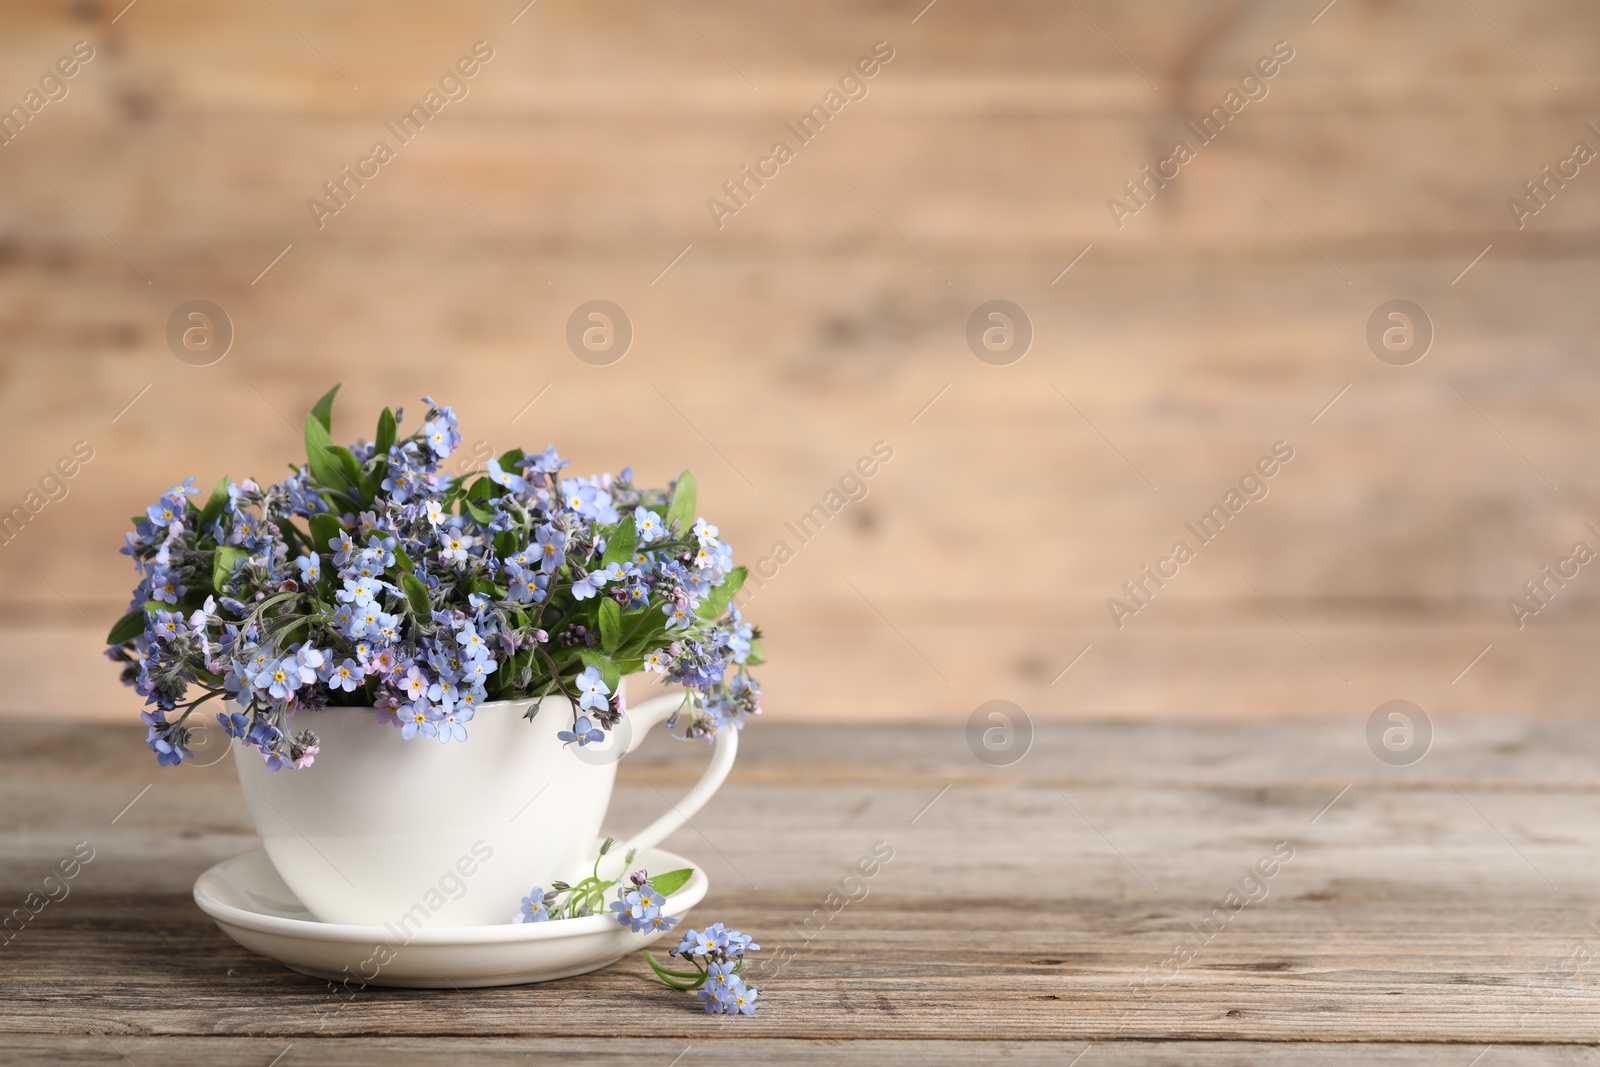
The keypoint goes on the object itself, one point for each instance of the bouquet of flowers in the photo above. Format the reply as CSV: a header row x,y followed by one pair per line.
x,y
371,577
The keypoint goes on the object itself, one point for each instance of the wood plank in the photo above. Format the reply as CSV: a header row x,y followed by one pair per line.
x,y
1381,522
720,1049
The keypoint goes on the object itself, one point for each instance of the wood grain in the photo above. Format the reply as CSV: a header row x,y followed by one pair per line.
x,y
1425,911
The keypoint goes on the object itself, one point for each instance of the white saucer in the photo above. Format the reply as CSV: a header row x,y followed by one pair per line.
x,y
253,906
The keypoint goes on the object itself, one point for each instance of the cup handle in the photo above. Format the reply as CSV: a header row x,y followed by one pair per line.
x,y
652,713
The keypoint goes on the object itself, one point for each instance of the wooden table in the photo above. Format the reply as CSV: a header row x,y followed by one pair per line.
x,y
1428,913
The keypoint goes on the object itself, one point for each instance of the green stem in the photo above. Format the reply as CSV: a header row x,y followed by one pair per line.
x,y
675,979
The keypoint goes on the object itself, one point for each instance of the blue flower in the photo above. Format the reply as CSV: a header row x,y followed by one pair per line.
x,y
264,735
419,720
167,740
525,586
741,998
614,572
346,676
452,725
719,976
471,642
440,434
443,692
546,462
678,614
648,525
513,482
736,639
588,500
343,548
279,678
583,731
164,512
401,483
593,693
734,998
359,591
164,586
587,586
165,626
640,908
379,552
310,568
715,941
234,723
309,663
701,942
475,672
414,686
533,909
454,545
552,547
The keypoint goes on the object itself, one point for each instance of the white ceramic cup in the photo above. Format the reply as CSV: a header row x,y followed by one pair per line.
x,y
412,834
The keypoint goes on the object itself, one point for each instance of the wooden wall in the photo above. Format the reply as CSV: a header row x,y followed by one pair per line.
x,y
831,309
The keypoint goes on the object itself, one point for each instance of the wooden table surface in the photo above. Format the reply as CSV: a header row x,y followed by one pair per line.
x,y
1428,913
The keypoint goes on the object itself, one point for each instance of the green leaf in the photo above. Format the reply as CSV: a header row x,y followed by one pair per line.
x,y
481,514
324,532
610,624
758,654
672,881
386,432
222,566
417,594
354,475
214,505
327,470
681,513
323,409
642,631
402,562
621,543
127,628
610,672
716,604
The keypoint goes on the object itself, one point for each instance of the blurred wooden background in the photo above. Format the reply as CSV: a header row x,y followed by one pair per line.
x,y
832,309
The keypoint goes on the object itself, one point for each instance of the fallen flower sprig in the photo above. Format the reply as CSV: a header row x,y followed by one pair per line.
x,y
716,953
